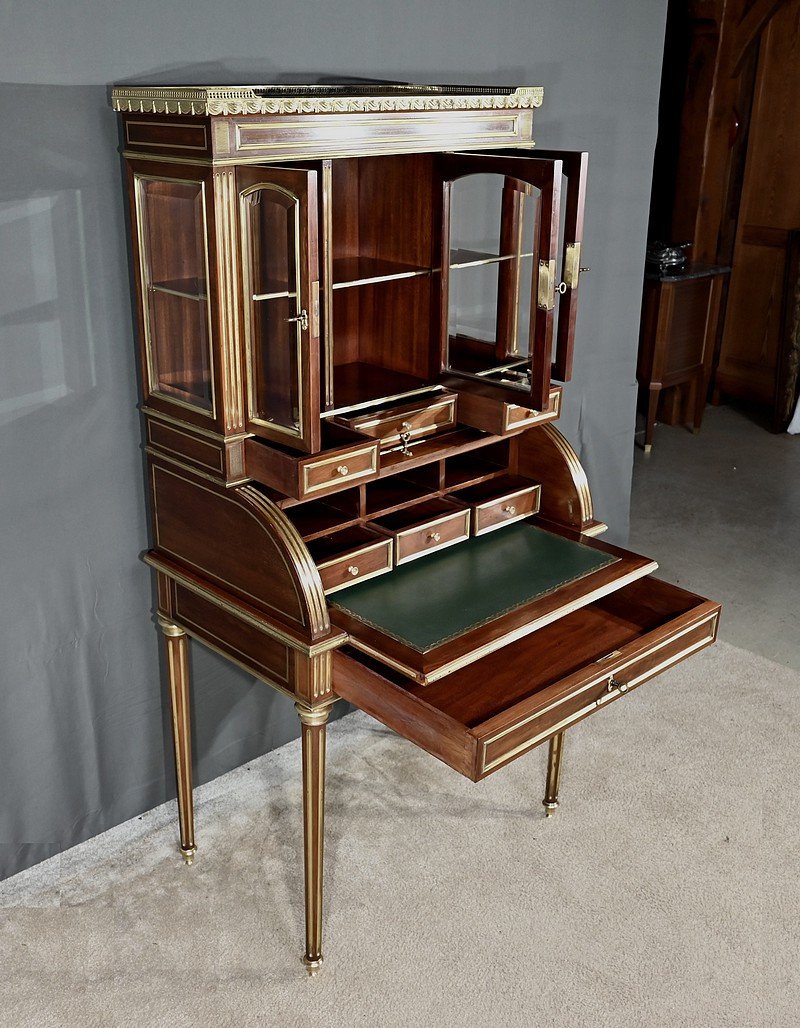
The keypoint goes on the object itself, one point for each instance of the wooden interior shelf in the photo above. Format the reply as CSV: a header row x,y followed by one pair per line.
x,y
464,470
360,383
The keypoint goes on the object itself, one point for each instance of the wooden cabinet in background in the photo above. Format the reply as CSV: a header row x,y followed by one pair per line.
x,y
680,314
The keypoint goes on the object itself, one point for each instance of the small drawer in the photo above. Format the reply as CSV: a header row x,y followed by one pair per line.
x,y
339,470
425,528
350,556
345,458
500,501
491,408
401,423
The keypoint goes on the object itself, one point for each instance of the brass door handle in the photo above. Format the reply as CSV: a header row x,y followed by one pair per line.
x,y
301,318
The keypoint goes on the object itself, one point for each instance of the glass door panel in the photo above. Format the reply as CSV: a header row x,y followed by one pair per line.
x,y
279,261
501,224
174,273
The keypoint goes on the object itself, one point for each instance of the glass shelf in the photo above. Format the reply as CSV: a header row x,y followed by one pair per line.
x,y
362,271
188,288
474,258
284,295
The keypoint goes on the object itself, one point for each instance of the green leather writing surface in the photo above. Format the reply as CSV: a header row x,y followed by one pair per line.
x,y
437,598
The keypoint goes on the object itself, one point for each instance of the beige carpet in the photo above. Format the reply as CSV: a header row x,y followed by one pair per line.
x,y
664,892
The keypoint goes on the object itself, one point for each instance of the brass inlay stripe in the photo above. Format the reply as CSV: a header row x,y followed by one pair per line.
x,y
166,124
225,645
216,450
650,673
327,277
308,649
578,474
151,412
183,464
228,276
245,666
244,491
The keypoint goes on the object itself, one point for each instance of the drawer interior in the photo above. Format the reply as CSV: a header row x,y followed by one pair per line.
x,y
492,489
335,545
417,516
524,692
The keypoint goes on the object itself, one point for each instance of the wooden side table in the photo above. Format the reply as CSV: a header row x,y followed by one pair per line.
x,y
680,313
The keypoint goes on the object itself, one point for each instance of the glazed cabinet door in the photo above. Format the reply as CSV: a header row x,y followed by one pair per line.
x,y
280,284
169,215
512,224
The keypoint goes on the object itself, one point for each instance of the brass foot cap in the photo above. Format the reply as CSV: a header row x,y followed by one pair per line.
x,y
550,807
188,854
648,447
313,966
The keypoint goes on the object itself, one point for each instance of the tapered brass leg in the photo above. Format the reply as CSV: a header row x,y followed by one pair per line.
x,y
550,800
314,732
178,668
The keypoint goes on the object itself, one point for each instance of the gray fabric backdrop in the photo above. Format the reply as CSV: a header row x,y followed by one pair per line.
x,y
84,737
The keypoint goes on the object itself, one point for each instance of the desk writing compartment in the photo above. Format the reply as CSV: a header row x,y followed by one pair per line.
x,y
356,312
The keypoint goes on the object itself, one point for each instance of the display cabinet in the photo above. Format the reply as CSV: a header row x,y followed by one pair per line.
x,y
357,311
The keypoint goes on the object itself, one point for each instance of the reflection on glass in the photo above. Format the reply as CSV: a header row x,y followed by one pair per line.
x,y
271,218
494,228
46,344
174,280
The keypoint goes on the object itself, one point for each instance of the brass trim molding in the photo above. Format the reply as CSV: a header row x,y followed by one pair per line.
x,y
225,197
229,100
311,649
487,765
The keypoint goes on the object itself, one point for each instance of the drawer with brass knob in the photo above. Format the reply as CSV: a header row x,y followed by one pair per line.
x,y
351,555
425,528
346,458
499,501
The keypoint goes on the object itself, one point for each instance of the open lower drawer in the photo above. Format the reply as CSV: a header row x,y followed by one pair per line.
x,y
487,714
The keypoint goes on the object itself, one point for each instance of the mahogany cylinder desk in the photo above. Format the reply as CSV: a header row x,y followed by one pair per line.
x,y
356,310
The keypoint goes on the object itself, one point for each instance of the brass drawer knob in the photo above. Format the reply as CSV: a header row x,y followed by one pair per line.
x,y
614,683
509,509
343,470
352,570
434,537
